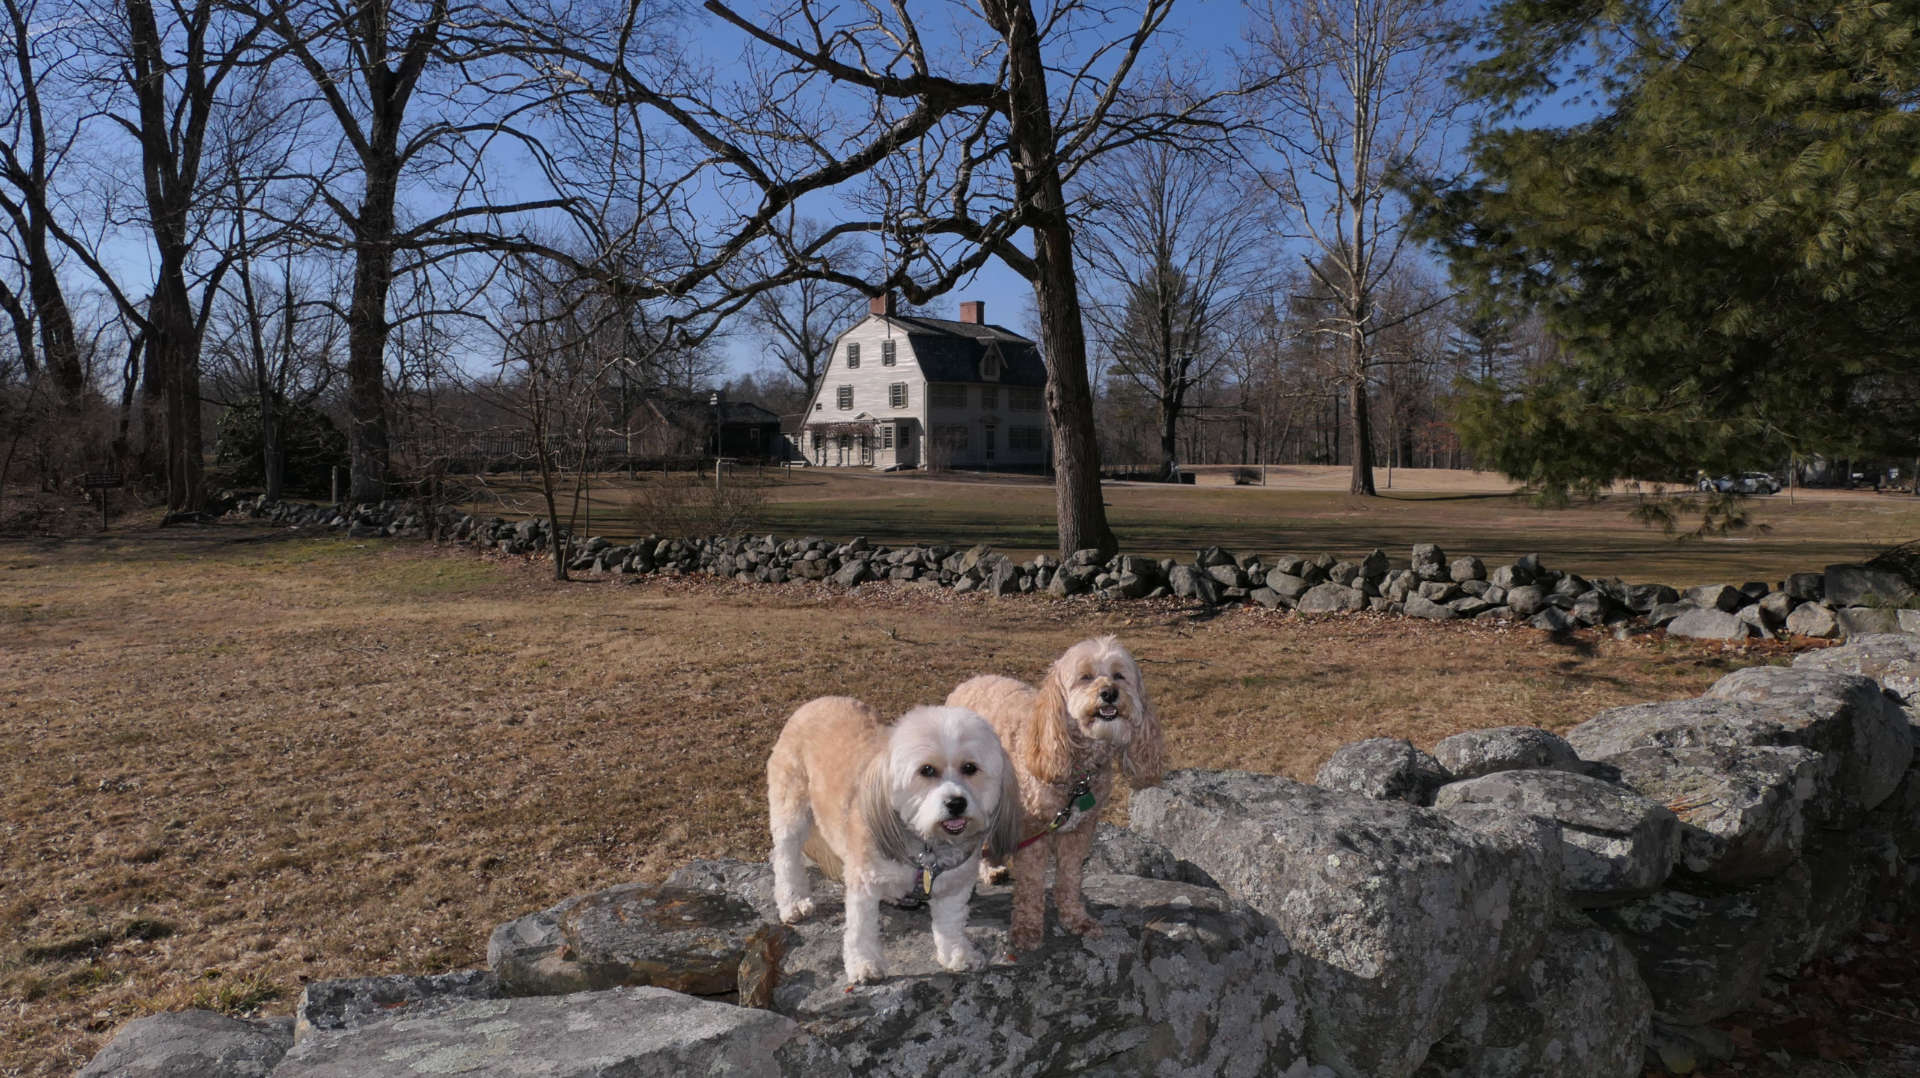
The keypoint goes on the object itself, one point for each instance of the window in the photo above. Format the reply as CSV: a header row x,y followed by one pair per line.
x,y
843,398
989,397
990,367
897,395
819,406
818,440
886,353
949,396
1027,438
886,436
1023,399
853,357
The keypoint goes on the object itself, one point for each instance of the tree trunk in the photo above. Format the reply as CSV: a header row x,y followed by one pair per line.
x,y
175,353
367,332
1081,514
1169,424
1361,437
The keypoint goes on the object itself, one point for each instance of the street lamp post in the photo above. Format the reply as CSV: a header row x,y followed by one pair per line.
x,y
713,402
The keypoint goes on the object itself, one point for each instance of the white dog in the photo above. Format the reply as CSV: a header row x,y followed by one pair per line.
x,y
900,810
1067,739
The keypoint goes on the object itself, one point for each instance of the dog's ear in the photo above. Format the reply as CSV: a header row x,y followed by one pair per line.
x,y
874,802
1008,819
1050,729
1146,756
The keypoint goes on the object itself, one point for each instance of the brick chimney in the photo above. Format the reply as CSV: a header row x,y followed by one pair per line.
x,y
881,305
974,311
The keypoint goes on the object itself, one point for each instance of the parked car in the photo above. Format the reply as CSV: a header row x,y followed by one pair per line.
x,y
1744,483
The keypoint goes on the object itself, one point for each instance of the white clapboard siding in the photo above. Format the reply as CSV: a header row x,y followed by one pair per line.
x,y
871,382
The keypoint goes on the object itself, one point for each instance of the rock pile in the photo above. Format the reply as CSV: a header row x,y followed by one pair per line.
x,y
1513,904
1842,601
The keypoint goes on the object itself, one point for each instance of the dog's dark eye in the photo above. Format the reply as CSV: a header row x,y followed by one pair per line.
x,y
1119,675
1086,677
969,768
928,771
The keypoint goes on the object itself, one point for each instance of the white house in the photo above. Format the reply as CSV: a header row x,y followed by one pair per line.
x,y
909,392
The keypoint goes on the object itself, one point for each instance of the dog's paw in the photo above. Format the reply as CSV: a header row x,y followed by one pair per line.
x,y
797,910
864,971
1082,925
994,874
962,958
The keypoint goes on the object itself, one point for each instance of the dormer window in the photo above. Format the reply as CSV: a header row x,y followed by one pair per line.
x,y
853,357
990,366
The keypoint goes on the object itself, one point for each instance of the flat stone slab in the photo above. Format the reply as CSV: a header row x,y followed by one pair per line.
x,y
666,935
1615,844
343,1004
192,1044
1742,808
1406,918
630,1032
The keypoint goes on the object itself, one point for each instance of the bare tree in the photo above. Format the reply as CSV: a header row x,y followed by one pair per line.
x,y
422,100
30,152
799,320
1361,90
1178,240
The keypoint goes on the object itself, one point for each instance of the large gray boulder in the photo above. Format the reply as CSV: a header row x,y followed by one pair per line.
x,y
1857,585
667,935
1847,875
192,1044
1615,845
1705,955
1421,607
1857,621
1812,619
1118,851
1742,808
631,1032
1861,730
1579,1010
1183,980
1405,918
1475,753
1384,769
1709,624
1892,660
1330,597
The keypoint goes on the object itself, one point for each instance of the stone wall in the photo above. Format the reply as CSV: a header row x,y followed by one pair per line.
x,y
1842,601
1513,905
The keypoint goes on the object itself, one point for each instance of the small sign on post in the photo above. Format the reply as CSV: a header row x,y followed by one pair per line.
x,y
102,482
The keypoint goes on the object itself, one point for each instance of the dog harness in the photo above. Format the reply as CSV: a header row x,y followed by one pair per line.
x,y
1079,799
930,865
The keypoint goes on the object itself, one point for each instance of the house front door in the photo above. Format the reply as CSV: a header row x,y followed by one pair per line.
x,y
991,431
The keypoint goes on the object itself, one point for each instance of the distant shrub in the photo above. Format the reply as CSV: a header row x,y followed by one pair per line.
x,y
1246,477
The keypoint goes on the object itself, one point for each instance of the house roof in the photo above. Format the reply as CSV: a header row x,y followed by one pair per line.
x,y
952,351
696,411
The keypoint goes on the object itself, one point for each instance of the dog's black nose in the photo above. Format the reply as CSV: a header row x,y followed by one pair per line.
x,y
1109,694
956,806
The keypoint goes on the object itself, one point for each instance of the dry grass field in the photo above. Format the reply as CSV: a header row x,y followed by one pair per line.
x,y
1302,510
232,760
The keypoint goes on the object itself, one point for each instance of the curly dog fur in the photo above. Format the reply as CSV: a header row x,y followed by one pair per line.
x,y
1089,718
